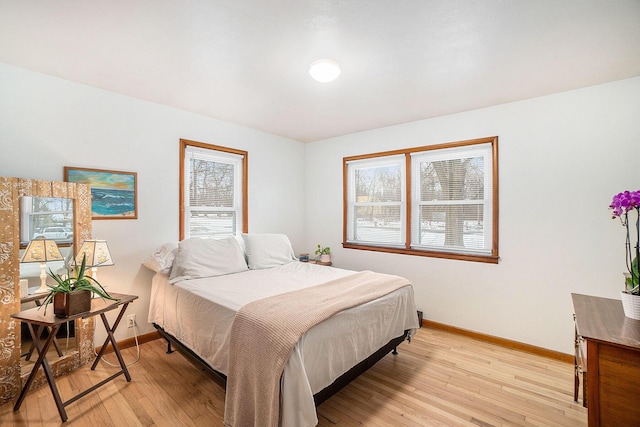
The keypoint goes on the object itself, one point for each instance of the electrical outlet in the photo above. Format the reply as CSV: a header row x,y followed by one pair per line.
x,y
131,320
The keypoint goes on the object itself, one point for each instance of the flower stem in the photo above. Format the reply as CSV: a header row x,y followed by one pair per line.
x,y
628,252
635,273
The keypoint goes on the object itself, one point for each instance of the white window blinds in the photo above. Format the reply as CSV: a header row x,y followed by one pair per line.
x,y
376,201
451,206
213,189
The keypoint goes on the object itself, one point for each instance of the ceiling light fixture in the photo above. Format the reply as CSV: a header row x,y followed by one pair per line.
x,y
324,70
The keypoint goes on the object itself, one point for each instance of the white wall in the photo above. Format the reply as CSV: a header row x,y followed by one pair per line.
x,y
48,123
561,159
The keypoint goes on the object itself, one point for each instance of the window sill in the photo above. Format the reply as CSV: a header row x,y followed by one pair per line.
x,y
490,259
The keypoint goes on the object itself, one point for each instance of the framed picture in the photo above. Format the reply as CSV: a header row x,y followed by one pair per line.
x,y
114,194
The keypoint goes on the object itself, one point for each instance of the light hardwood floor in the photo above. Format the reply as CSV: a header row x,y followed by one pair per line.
x,y
439,379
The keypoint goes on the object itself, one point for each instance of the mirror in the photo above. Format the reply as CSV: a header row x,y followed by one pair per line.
x,y
12,190
65,342
51,218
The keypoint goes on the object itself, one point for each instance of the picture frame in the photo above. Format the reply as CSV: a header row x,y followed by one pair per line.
x,y
114,194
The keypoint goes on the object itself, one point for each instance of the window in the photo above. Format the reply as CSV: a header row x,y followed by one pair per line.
x,y
439,201
377,208
213,190
48,217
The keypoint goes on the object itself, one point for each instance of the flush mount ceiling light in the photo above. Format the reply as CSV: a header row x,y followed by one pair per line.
x,y
324,70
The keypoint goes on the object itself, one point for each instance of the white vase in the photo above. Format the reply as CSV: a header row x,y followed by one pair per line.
x,y
325,258
630,305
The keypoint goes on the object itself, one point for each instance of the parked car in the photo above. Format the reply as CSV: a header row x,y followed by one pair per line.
x,y
56,233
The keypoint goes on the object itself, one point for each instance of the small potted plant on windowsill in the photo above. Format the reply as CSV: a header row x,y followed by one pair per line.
x,y
324,254
72,295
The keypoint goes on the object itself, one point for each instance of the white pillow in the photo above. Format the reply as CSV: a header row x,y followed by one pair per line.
x,y
267,250
162,259
207,258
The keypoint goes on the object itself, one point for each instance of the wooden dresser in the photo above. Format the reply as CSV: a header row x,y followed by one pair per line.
x,y
613,360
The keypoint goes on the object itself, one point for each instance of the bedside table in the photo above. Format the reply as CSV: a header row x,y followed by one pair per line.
x,y
99,306
34,297
328,264
37,298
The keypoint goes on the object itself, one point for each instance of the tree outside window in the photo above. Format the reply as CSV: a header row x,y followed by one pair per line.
x,y
213,191
451,209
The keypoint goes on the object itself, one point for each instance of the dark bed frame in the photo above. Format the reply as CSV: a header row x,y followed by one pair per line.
x,y
320,396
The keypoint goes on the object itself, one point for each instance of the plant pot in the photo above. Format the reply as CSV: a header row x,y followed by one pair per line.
x,y
325,258
630,305
66,304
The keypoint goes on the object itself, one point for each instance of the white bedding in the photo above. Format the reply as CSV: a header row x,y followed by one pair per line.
x,y
200,312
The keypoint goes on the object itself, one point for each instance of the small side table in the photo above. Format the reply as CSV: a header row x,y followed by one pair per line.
x,y
37,298
34,297
326,264
99,306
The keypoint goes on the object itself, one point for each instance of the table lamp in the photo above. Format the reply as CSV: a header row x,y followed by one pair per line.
x,y
97,253
42,250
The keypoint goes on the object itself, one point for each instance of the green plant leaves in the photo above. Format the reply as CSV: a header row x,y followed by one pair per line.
x,y
323,251
77,282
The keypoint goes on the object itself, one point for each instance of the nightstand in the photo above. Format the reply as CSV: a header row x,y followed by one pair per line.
x,y
34,297
36,317
37,298
328,264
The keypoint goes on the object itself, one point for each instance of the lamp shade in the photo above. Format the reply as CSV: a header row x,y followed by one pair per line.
x,y
97,253
42,250
324,70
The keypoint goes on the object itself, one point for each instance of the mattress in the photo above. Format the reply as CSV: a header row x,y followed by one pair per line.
x,y
199,313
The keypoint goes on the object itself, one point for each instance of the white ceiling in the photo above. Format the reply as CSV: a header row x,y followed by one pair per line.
x,y
246,61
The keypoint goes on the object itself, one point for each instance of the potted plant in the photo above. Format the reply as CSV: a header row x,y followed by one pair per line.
x,y
72,294
324,253
622,204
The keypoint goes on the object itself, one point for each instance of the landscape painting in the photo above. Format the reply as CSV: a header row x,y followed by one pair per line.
x,y
113,193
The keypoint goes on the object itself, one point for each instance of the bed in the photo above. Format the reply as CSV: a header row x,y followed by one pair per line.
x,y
202,285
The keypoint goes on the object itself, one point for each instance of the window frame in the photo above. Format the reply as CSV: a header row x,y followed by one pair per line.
x,y
376,162
184,144
493,257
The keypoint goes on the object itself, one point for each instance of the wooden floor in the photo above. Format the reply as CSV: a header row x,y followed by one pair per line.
x,y
440,379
